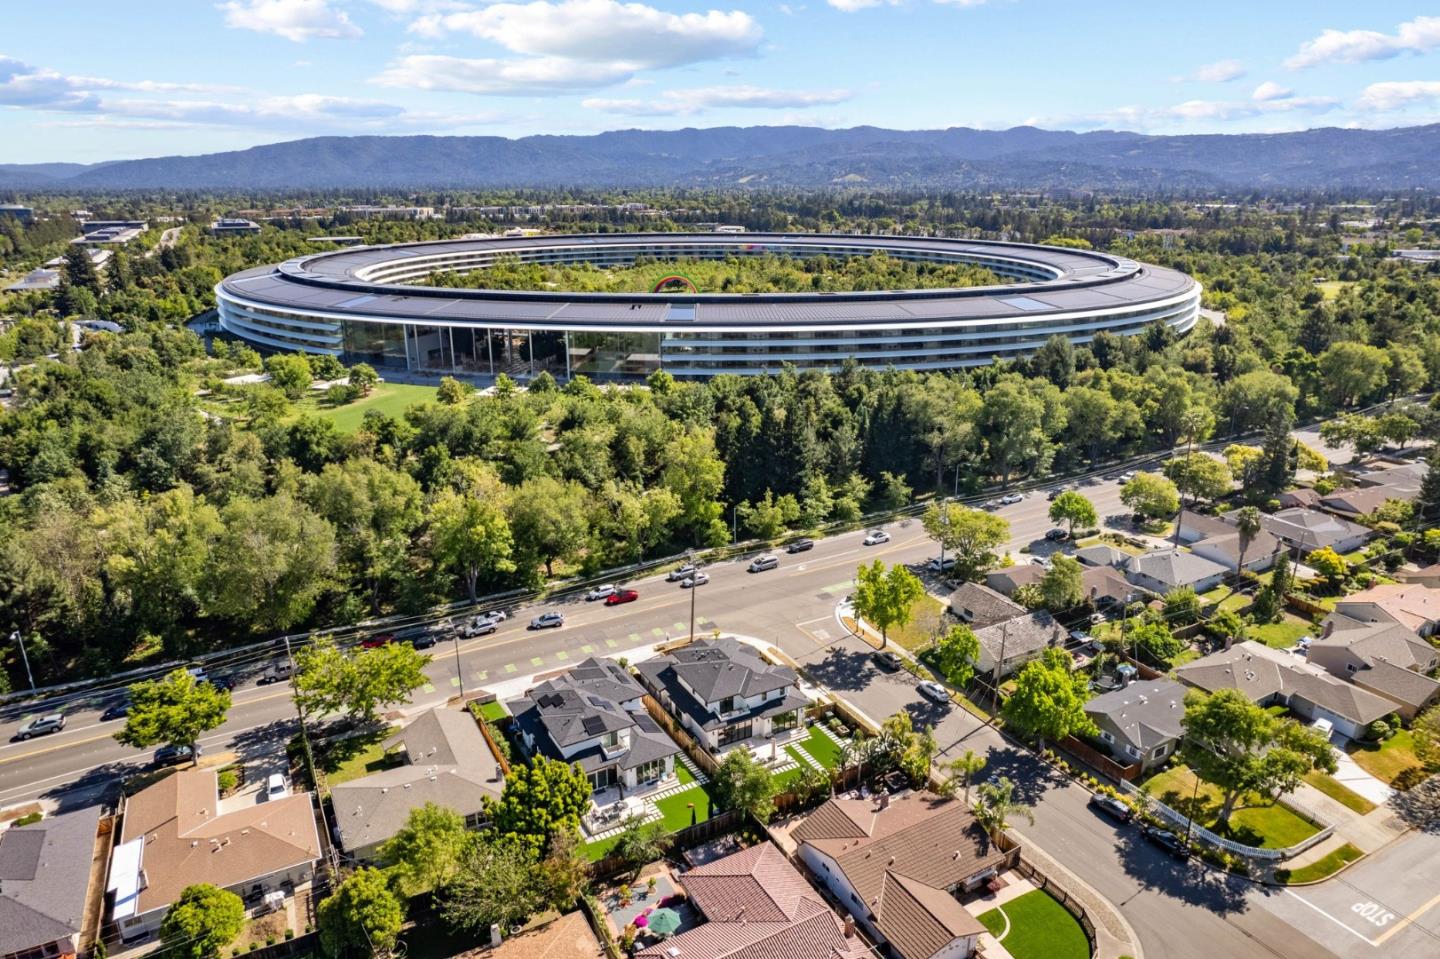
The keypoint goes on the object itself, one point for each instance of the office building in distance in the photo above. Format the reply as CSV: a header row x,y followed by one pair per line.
x,y
233,226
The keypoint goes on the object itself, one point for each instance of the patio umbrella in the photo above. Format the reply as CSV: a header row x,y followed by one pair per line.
x,y
664,922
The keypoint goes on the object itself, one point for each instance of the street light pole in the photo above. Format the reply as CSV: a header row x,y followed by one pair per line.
x,y
694,587
20,641
459,673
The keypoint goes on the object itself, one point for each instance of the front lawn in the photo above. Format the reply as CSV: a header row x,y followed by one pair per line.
x,y
355,756
1339,792
1281,635
1255,821
923,627
1392,761
493,711
1322,868
1038,928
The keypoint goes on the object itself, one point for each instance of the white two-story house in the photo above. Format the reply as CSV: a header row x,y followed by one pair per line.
x,y
724,693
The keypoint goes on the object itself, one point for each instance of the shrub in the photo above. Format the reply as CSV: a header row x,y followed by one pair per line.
x,y
29,819
227,779
289,934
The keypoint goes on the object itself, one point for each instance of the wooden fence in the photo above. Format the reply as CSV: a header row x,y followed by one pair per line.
x,y
720,824
693,749
1093,757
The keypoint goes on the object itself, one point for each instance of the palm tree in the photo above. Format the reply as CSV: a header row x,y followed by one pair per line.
x,y
995,805
964,769
844,759
1247,523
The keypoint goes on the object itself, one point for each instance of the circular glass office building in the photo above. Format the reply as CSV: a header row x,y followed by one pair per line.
x,y
364,304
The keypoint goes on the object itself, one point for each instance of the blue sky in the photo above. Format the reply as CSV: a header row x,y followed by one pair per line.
x,y
90,80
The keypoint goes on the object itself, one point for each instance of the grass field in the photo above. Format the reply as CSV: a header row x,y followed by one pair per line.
x,y
392,399
674,812
1321,868
348,759
1039,928
820,747
1330,289
1392,761
1281,635
1256,821
1339,792
924,623
494,711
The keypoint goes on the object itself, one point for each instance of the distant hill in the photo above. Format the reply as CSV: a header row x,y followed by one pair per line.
x,y
790,156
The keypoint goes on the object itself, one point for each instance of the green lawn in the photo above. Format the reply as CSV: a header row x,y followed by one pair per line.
x,y
391,399
1281,635
1327,865
493,711
1330,289
1234,603
924,622
820,747
1255,821
677,814
347,759
683,772
1039,928
1393,760
1339,792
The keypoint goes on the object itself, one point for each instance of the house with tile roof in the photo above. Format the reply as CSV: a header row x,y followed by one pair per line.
x,y
1140,722
724,693
1383,656
756,905
446,761
44,882
177,833
898,864
595,715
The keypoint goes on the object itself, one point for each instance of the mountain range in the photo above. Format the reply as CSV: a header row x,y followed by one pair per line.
x,y
788,156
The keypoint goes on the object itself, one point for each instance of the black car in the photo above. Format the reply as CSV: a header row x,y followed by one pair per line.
x,y
227,683
170,755
1111,808
800,546
423,640
886,660
1167,841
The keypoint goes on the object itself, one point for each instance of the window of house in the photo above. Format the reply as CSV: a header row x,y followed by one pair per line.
x,y
1133,751
1158,752
727,705
1106,736
612,739
1351,667
787,721
651,771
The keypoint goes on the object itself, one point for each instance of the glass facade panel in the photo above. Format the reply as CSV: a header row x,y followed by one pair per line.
x,y
598,355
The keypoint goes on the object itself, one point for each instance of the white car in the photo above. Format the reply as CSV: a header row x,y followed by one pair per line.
x,y
1010,499
690,582
1126,477
934,691
1040,561
938,565
276,788
680,573
600,592
876,537
550,620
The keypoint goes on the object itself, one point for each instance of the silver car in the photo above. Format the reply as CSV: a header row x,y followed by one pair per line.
x,y
550,620
42,726
877,536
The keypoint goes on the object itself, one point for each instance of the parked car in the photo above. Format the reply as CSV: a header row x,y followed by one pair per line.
x,y
1126,476
934,691
800,546
1166,841
41,726
886,660
1111,808
378,640
117,710
938,565
550,620
424,639
679,573
1054,494
876,536
1080,636
276,787
622,596
481,625
278,672
226,683
761,563
690,582
1057,535
172,755
1010,499
600,592
991,504
1039,561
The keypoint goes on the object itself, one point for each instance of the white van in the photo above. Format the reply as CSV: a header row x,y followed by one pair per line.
x,y
762,563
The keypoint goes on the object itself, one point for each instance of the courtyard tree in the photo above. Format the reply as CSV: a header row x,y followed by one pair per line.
x,y
202,922
427,851
742,783
1248,525
497,883
173,710
641,841
1049,698
1062,586
361,918
364,378
996,803
884,598
540,799
1329,564
1074,509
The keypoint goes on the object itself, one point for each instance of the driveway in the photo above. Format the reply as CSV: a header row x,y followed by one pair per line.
x,y
1350,775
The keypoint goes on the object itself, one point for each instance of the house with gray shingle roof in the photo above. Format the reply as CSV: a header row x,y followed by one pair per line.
x,y
725,693
1312,529
1141,722
1165,570
1381,655
595,715
44,881
1016,641
1218,540
981,606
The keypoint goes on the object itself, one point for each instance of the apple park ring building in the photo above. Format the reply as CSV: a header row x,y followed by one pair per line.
x,y
362,304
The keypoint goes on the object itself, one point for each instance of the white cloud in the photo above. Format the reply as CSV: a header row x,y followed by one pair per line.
x,y
1398,94
1149,118
1270,90
1355,46
604,30
295,20
1221,71
686,102
850,6
520,77
22,85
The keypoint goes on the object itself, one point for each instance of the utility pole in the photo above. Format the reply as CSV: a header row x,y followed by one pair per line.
x,y
694,588
310,756
995,691
20,641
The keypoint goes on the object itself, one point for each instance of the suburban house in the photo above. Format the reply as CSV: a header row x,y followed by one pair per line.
x,y
446,761
1103,585
1165,570
179,832
1274,676
1141,722
1363,500
1383,656
724,693
1404,478
897,863
1101,555
1212,538
1414,605
595,715
1420,575
981,606
567,937
1304,497
756,905
1310,529
1010,578
44,882
1015,642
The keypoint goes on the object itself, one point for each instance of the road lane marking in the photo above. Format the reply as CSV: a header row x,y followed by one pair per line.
x,y
562,655
509,667
428,688
587,648
658,633
537,660
1339,922
634,638
1408,920
611,643
680,627
482,675
454,680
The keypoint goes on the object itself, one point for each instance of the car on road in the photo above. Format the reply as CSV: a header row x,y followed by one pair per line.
x,y
622,596
1057,535
173,755
886,660
1166,841
482,625
761,563
41,726
800,546
551,620
934,691
600,592
1126,476
690,582
378,640
1111,808
116,711
227,683
938,565
1010,499
1040,561
991,504
1054,494
876,536
423,640
276,787
278,672
679,573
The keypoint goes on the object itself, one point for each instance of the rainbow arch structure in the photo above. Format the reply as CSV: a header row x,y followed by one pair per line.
x,y
675,278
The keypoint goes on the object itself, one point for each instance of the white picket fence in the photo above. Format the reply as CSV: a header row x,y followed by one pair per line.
x,y
1197,831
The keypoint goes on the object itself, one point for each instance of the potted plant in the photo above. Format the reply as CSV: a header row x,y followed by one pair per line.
x,y
650,885
626,896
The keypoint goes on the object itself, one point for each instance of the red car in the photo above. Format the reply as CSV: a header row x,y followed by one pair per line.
x,y
622,596
375,642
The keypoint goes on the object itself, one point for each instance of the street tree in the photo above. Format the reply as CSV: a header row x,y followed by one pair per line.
x,y
1241,748
470,537
202,922
498,883
1151,496
1199,476
970,535
549,520
427,852
362,918
1049,699
271,564
956,655
996,803
1011,422
1351,371
540,799
1063,586
359,683
769,516
174,710
964,768
1073,508
884,598
742,783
